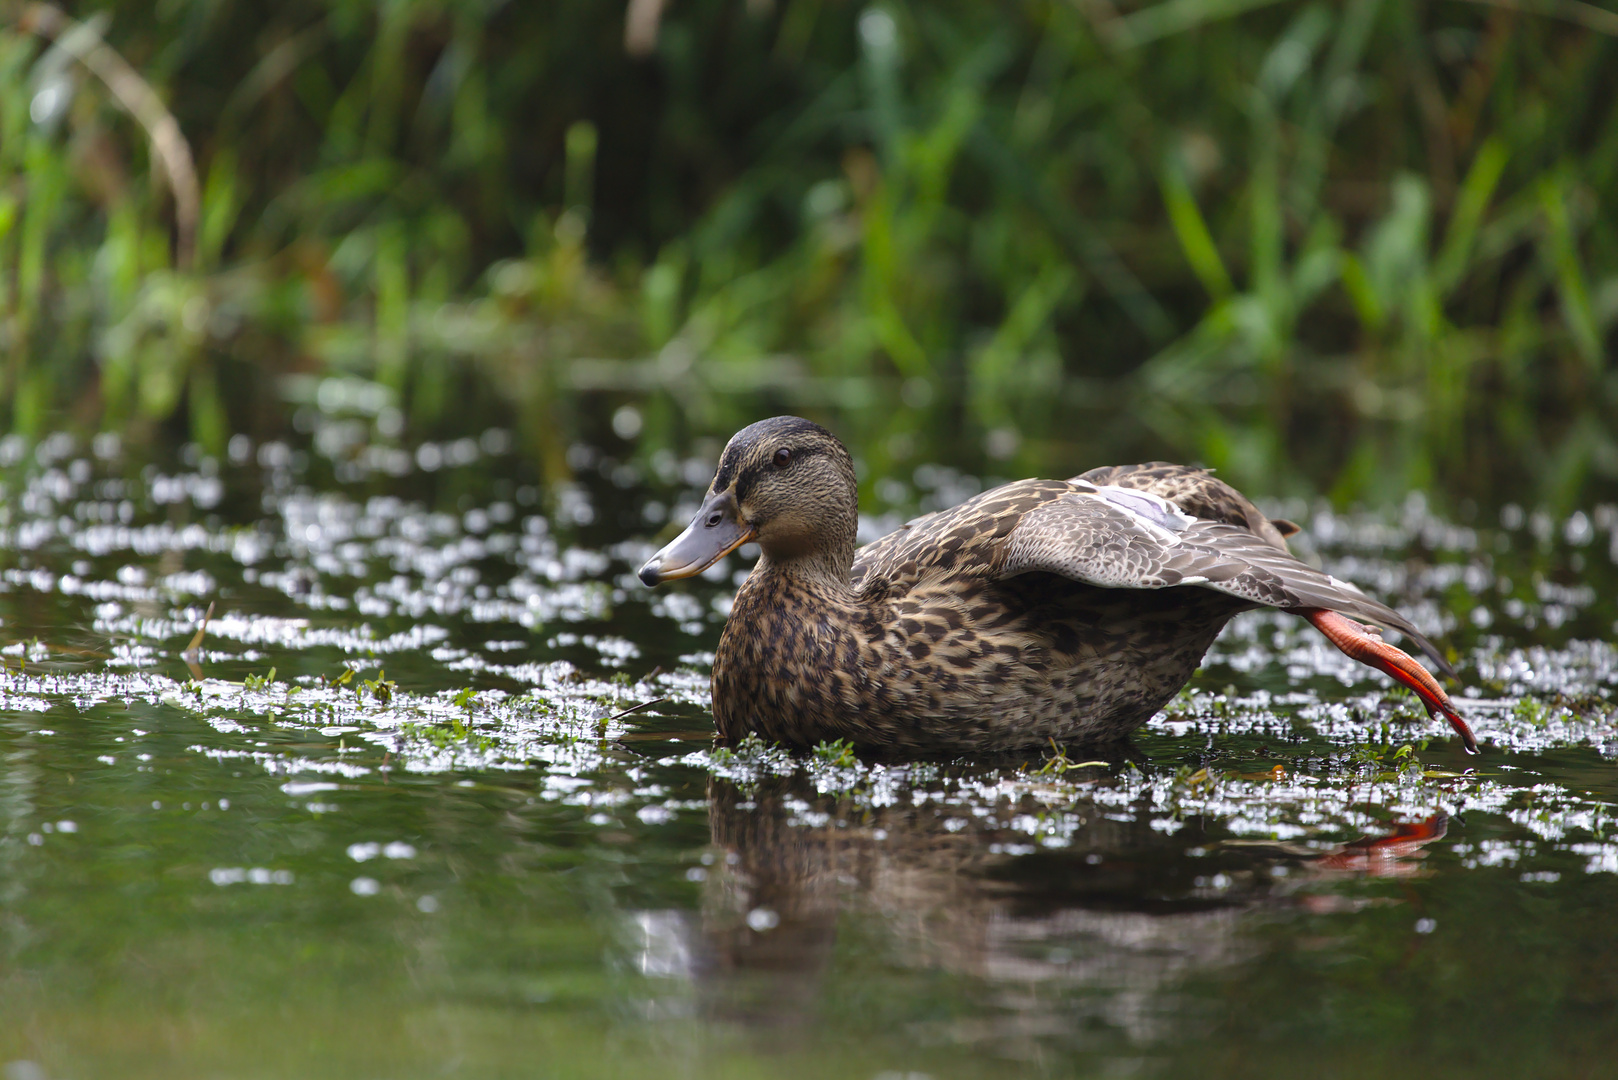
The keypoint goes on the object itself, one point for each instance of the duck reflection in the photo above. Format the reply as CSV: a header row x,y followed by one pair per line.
x,y
1098,933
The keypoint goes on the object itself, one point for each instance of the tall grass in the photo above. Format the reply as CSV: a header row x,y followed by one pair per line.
x,y
1358,247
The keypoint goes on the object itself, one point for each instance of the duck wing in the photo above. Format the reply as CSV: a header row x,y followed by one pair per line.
x,y
1196,491
1122,538
962,540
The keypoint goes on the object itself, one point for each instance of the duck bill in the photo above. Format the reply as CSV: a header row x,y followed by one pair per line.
x,y
716,531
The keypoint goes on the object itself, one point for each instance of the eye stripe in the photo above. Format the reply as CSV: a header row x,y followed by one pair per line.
x,y
755,445
745,482
727,471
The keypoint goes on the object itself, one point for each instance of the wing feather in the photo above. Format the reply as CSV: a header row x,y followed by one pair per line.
x,y
1085,537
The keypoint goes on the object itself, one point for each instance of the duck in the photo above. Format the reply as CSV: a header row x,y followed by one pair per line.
x,y
1040,612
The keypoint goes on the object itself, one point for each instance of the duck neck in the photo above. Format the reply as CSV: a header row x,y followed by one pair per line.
x,y
824,569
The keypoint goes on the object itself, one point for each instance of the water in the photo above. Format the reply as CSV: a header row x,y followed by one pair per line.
x,y
393,816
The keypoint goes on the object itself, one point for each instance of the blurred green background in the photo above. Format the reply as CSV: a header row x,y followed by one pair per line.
x,y
1349,247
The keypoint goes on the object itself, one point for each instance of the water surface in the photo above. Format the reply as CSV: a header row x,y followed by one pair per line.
x,y
394,817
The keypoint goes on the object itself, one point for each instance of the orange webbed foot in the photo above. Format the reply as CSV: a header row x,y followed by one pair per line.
x,y
1365,644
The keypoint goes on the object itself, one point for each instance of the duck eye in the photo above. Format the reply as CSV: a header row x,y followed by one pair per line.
x,y
782,457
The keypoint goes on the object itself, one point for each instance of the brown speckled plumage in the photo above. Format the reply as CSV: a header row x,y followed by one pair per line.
x,y
1045,609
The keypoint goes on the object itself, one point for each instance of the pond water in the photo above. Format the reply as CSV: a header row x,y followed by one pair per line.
x,y
393,815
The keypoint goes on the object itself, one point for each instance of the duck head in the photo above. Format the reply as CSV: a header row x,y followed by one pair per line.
x,y
787,484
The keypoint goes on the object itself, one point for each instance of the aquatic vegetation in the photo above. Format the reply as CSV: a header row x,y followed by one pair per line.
x,y
259,682
838,753
1058,763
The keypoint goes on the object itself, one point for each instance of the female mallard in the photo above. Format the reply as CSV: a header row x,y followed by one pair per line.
x,y
1045,609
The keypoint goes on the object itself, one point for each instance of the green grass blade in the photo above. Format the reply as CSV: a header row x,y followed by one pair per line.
x,y
1192,231
1470,203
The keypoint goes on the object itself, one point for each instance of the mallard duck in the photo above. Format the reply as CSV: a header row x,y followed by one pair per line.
x,y
1066,610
